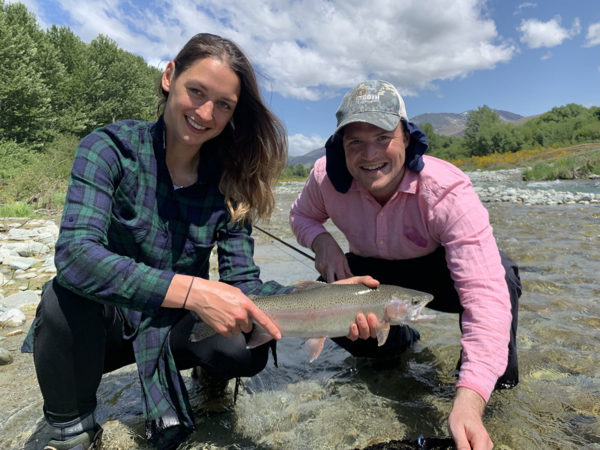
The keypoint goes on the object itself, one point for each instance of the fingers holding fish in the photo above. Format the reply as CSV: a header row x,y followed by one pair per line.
x,y
225,308
264,321
365,327
367,280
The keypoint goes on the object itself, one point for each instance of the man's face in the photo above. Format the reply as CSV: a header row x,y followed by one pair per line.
x,y
375,157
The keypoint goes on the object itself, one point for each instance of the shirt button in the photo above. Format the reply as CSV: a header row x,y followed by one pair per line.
x,y
381,242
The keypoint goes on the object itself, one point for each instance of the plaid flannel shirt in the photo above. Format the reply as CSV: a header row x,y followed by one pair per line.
x,y
125,232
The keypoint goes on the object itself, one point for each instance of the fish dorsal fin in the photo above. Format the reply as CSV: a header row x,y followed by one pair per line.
x,y
307,284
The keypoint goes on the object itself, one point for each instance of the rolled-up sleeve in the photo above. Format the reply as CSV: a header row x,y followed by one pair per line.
x,y
83,260
475,265
309,213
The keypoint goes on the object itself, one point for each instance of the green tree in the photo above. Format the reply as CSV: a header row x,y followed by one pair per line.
x,y
433,139
121,76
479,130
74,112
25,98
300,170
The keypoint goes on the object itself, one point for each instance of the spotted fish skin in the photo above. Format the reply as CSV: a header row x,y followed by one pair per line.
x,y
327,310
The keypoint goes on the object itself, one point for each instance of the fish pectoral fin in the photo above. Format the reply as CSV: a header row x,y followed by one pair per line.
x,y
382,330
314,347
258,337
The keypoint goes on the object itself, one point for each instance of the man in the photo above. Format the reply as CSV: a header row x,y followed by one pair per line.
x,y
415,221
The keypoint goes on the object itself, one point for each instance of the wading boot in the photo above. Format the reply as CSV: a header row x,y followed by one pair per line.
x,y
78,434
212,391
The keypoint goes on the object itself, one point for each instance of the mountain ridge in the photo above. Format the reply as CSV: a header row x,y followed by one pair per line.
x,y
445,124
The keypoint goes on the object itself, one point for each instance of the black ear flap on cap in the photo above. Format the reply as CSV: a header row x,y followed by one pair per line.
x,y
336,168
416,147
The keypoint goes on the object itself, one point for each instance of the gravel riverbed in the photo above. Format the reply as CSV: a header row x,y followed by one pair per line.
x,y
26,263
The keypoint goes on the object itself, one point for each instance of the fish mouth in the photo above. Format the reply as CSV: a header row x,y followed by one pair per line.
x,y
416,315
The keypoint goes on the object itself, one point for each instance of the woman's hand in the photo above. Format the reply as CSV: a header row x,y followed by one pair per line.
x,y
223,307
330,260
465,423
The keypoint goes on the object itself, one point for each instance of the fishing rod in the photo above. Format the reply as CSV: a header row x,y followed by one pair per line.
x,y
284,243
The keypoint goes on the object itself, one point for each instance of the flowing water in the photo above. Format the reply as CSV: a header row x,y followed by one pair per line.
x,y
340,402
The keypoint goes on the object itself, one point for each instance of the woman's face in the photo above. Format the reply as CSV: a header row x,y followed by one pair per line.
x,y
201,101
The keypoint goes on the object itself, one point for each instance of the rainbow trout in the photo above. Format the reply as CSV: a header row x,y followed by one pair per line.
x,y
321,310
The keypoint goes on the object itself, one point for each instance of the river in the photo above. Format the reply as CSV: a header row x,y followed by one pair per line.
x,y
341,402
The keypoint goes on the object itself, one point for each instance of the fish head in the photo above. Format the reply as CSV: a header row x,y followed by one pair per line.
x,y
408,307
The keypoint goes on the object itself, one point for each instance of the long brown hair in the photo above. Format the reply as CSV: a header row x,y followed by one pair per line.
x,y
252,149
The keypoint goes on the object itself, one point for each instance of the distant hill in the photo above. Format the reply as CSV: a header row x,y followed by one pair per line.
x,y
453,124
446,124
308,158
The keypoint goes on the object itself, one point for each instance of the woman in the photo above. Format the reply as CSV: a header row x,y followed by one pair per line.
x,y
146,204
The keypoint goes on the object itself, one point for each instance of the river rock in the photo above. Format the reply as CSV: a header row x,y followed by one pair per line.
x,y
19,262
27,248
12,318
5,357
22,234
20,299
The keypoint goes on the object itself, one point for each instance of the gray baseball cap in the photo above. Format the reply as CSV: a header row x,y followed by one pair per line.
x,y
372,101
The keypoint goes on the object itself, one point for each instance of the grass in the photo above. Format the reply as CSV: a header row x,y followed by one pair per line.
x,y
36,179
16,209
579,161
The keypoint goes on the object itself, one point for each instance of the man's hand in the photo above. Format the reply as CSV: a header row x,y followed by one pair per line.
x,y
465,423
364,327
330,260
226,309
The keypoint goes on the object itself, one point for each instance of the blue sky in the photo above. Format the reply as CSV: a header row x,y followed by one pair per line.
x,y
443,55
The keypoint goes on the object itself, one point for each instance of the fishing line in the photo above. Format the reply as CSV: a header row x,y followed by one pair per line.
x,y
285,243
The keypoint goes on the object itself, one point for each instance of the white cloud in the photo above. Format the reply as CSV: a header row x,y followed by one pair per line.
x,y
537,34
300,144
310,49
593,35
523,6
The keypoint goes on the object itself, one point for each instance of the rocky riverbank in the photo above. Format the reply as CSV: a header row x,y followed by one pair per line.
x,y
494,186
26,263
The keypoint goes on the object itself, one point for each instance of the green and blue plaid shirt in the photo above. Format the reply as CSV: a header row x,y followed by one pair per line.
x,y
126,231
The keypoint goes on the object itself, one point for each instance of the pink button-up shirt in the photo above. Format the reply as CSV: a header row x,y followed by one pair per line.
x,y
435,206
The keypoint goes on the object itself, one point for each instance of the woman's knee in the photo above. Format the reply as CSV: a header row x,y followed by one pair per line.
x,y
61,309
229,357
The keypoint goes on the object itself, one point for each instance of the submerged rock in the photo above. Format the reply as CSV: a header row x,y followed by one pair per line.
x,y
5,357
